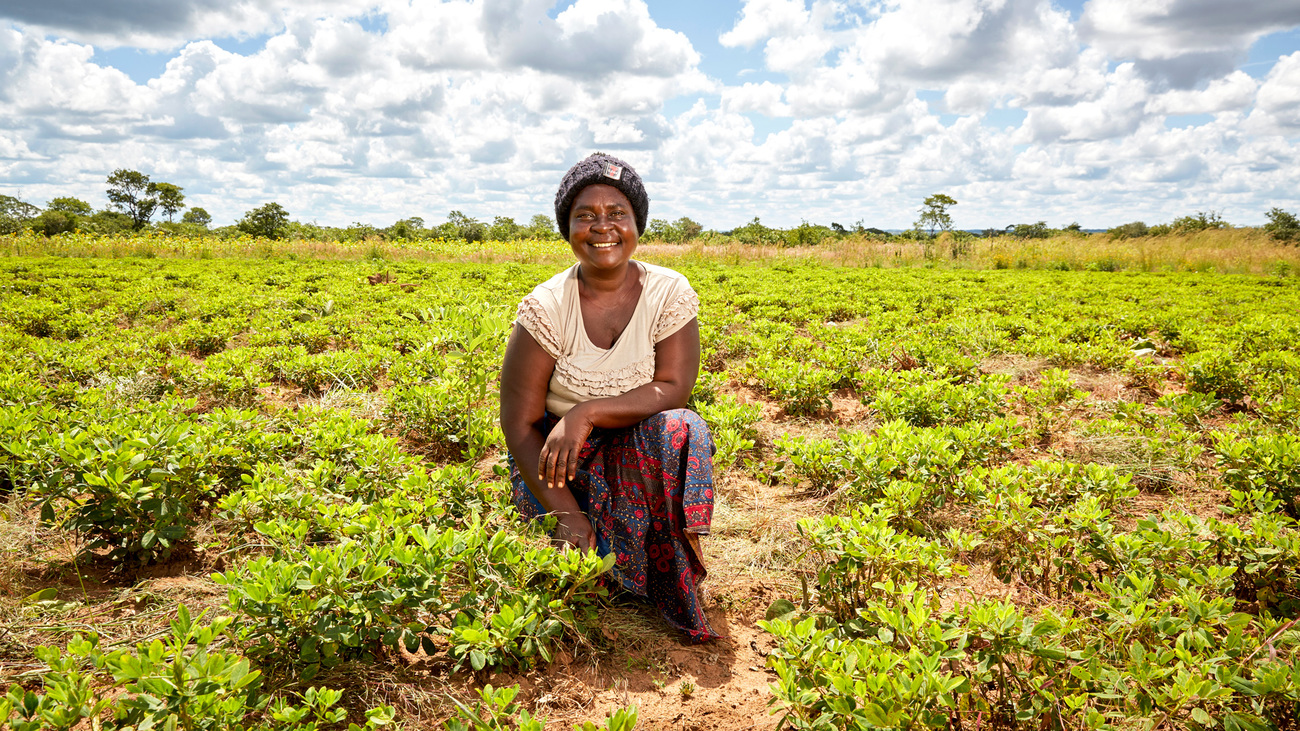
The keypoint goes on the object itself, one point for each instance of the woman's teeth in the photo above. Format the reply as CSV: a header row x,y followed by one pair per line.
x,y
605,246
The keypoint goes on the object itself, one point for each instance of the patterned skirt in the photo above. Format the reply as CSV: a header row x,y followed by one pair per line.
x,y
645,488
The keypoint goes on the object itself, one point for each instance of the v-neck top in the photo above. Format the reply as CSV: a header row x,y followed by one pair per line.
x,y
552,314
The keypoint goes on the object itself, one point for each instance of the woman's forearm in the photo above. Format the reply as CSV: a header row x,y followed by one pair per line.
x,y
632,407
525,446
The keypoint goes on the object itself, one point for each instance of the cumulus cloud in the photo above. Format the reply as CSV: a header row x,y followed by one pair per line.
x,y
1183,42
1277,106
168,24
381,109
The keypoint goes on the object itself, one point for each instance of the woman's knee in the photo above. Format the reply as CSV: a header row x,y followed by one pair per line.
x,y
691,420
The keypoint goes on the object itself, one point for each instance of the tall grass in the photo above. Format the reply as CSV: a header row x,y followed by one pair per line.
x,y
1238,251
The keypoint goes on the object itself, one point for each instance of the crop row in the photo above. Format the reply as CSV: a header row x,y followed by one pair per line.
x,y
320,423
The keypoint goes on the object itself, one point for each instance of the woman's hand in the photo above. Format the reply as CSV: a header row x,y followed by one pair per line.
x,y
575,530
558,461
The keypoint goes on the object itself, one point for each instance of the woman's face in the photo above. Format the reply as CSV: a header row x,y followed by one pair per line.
x,y
602,227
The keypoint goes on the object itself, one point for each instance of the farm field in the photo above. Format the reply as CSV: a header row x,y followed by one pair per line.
x,y
269,493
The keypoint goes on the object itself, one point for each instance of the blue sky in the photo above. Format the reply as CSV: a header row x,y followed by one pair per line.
x,y
1096,111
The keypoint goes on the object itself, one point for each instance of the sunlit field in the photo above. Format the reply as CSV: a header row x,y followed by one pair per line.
x,y
995,483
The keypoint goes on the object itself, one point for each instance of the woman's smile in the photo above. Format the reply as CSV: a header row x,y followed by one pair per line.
x,y
602,228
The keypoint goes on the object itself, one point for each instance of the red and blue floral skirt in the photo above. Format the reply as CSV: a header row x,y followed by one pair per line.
x,y
647,490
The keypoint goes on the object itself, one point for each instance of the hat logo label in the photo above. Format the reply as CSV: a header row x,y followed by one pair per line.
x,y
612,171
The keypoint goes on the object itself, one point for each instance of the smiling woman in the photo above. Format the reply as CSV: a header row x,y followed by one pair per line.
x,y
593,394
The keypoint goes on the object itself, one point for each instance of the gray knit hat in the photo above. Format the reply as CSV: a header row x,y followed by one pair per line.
x,y
609,170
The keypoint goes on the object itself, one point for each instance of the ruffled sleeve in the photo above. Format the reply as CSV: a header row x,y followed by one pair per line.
x,y
537,321
682,306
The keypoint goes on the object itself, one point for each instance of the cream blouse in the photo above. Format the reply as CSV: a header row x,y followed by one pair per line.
x,y
552,314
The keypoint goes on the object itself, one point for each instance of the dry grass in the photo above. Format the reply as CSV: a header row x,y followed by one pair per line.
x,y
1240,251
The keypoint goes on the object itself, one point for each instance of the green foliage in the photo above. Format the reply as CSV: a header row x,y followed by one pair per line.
x,y
733,427
133,488
499,599
934,213
1282,226
183,682
1129,230
130,192
1269,462
755,233
170,198
496,710
15,214
198,217
1049,405
678,232
268,221
828,681
75,206
541,226
1216,373
1200,221
1132,616
461,226
1037,230
807,234
937,401
504,229
860,553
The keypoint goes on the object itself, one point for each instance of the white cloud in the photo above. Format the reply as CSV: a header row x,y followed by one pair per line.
x,y
863,109
1233,92
168,24
1183,42
1277,106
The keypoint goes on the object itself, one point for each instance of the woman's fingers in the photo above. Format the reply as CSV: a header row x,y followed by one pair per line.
x,y
571,464
546,465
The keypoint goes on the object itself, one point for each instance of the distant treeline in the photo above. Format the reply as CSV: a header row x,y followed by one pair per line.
x,y
135,200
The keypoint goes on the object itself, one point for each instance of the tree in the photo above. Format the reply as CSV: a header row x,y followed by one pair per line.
x,y
14,214
684,229
197,216
1037,230
1129,230
1201,221
170,198
657,230
75,206
51,223
409,229
934,213
130,192
1282,226
268,221
756,234
108,222
465,227
541,226
503,228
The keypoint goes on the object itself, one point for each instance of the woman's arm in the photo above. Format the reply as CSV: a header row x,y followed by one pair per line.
x,y
677,364
525,379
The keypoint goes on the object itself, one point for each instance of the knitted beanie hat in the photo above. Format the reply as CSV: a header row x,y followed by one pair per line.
x,y
609,170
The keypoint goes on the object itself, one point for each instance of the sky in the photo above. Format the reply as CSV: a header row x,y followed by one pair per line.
x,y
1099,112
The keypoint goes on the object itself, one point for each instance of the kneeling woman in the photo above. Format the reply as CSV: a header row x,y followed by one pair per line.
x,y
593,394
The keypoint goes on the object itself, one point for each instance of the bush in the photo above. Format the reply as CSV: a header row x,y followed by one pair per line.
x,y
185,682
1129,230
1217,373
1269,462
268,221
1282,226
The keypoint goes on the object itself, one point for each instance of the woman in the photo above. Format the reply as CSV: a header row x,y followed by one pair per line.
x,y
594,386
